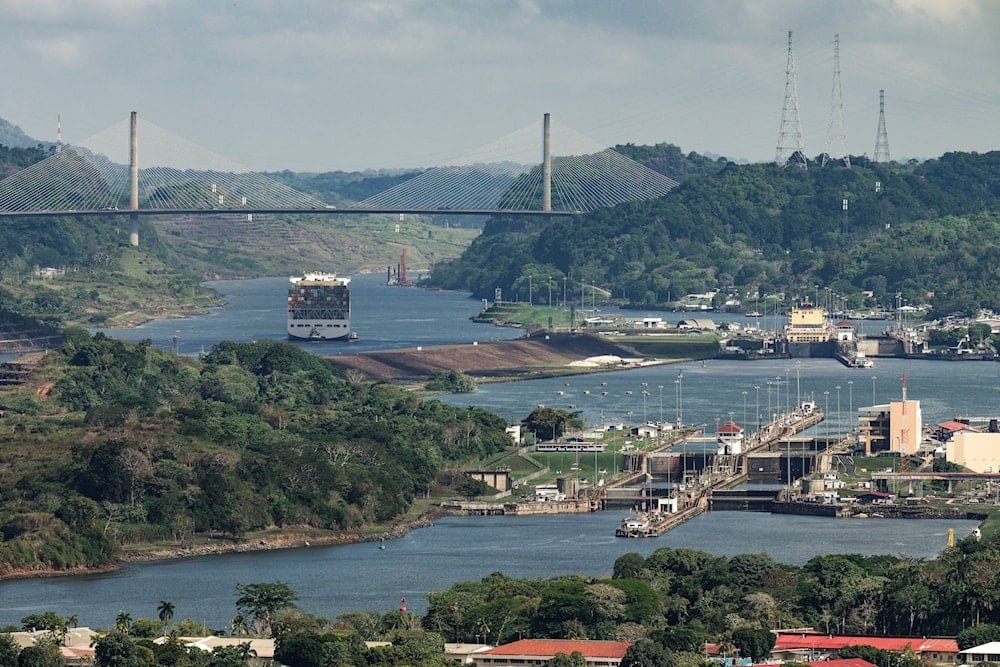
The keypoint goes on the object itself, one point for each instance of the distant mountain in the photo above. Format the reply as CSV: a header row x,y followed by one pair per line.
x,y
13,137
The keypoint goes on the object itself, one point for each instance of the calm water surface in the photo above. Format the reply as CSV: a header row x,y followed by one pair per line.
x,y
332,580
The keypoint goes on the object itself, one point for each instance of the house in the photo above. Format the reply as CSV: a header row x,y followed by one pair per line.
x,y
261,649
462,652
77,646
989,652
945,431
842,662
534,652
875,498
808,646
644,431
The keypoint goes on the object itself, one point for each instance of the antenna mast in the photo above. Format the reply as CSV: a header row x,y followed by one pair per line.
x,y
790,132
58,133
881,139
836,132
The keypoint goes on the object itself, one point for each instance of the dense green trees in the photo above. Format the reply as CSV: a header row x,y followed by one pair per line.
x,y
680,598
754,230
156,447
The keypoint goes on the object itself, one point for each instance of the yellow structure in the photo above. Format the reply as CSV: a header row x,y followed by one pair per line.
x,y
979,452
808,324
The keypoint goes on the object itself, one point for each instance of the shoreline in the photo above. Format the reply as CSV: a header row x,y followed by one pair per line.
x,y
292,539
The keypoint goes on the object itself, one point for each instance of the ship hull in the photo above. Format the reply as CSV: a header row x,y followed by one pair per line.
x,y
319,307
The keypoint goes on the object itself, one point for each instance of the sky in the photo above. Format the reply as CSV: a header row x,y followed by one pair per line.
x,y
323,85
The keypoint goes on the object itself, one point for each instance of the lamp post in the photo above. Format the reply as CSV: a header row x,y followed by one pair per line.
x,y
680,399
644,395
850,401
874,377
787,406
660,387
549,282
838,406
826,415
744,408
798,395
564,292
769,410
756,389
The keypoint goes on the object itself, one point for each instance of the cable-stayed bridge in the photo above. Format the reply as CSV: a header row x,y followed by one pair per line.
x,y
107,174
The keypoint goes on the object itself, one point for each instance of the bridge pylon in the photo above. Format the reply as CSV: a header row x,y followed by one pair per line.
x,y
133,173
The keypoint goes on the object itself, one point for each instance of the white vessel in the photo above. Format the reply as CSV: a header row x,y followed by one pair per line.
x,y
319,307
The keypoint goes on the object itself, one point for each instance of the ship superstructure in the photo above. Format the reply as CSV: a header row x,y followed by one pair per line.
x,y
319,307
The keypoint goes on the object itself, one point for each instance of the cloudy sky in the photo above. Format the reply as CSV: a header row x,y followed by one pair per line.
x,y
318,85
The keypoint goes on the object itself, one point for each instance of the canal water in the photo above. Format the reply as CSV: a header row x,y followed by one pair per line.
x,y
333,580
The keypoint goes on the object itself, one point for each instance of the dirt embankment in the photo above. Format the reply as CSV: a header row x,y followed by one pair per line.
x,y
535,356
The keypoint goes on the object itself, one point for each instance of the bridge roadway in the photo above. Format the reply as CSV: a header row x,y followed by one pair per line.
x,y
285,211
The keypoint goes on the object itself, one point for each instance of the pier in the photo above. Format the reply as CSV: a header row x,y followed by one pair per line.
x,y
697,492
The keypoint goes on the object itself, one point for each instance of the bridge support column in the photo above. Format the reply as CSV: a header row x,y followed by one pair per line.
x,y
546,165
133,172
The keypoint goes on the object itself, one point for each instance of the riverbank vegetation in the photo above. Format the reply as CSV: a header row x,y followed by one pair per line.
x,y
115,444
668,605
755,231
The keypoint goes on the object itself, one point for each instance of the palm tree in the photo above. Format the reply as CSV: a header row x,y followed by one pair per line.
x,y
166,613
238,626
123,621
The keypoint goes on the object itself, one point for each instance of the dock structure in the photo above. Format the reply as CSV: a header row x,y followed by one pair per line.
x,y
726,472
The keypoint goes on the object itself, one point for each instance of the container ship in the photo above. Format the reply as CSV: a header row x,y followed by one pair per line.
x,y
319,307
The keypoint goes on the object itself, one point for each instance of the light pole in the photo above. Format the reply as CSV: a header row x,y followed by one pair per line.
x,y
874,377
564,292
644,395
549,282
756,388
660,386
787,406
680,398
850,401
744,408
838,407
826,415
769,410
798,395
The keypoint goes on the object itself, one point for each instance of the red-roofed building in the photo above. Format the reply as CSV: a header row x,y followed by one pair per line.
x,y
842,662
946,430
844,331
804,647
730,437
533,652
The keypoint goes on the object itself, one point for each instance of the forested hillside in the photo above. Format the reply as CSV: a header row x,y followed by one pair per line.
x,y
759,229
101,280
119,443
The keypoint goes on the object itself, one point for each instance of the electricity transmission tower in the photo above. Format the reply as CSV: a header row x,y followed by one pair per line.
x,y
836,132
790,146
881,139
